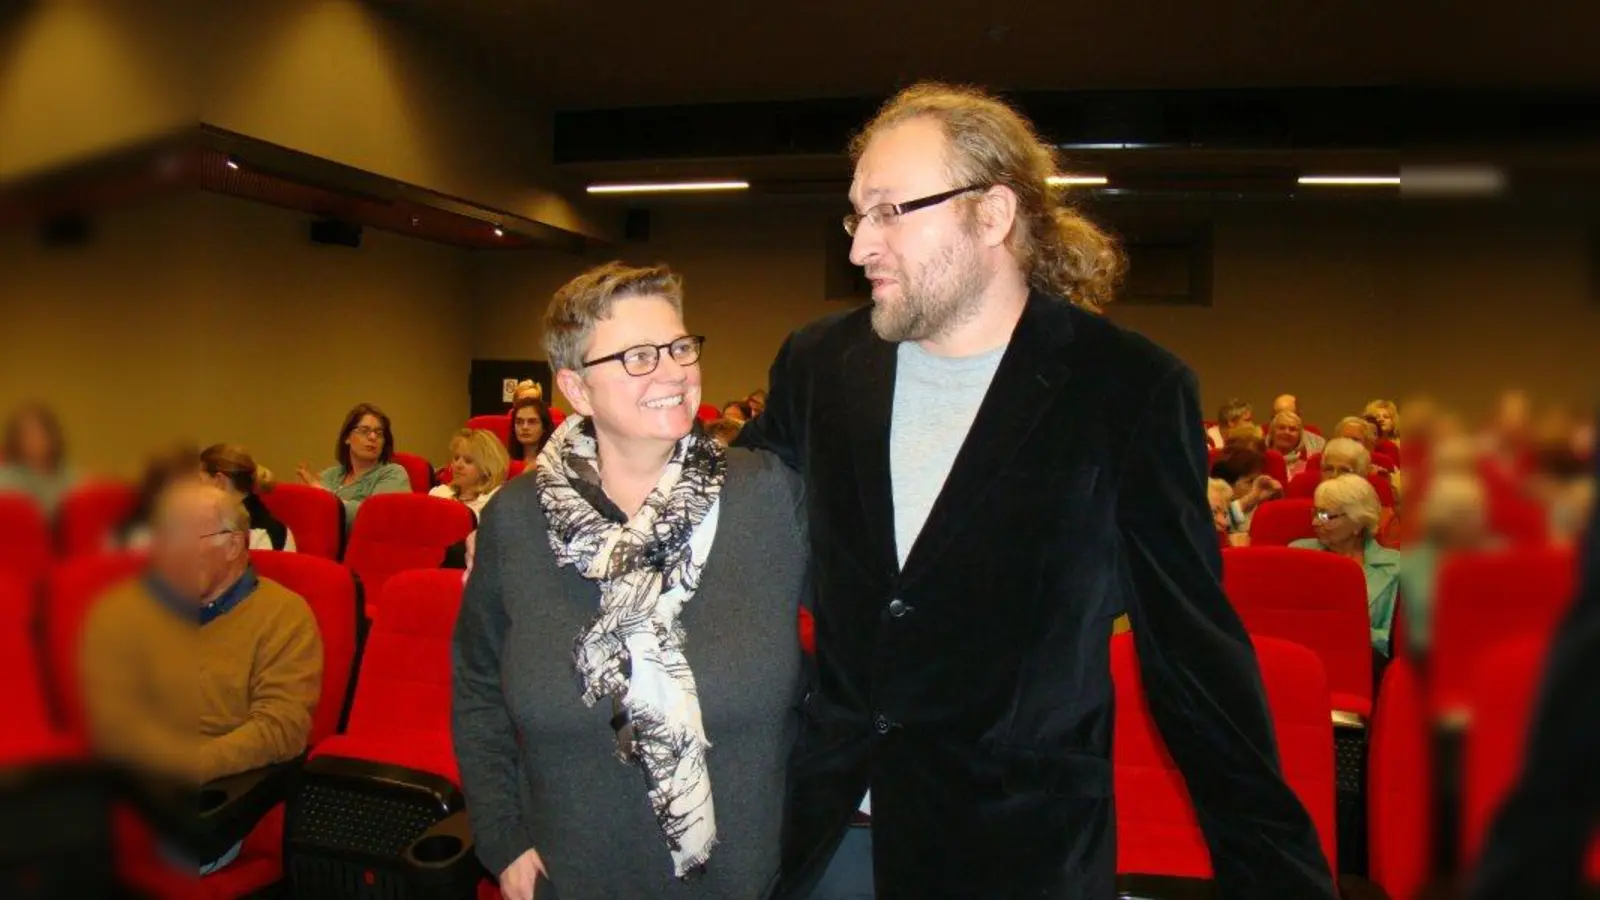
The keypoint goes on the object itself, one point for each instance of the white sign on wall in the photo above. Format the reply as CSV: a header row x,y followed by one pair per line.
x,y
508,390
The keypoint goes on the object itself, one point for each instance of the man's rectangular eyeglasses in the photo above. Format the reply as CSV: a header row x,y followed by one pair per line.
x,y
642,360
886,213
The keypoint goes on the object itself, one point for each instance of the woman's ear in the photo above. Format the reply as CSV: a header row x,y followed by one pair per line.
x,y
576,392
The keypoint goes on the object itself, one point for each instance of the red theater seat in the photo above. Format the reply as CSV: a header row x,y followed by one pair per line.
x,y
1157,832
1484,599
89,515
1501,697
314,516
1317,600
418,469
395,754
499,425
518,466
1277,468
1278,522
26,547
396,532
1399,786
74,587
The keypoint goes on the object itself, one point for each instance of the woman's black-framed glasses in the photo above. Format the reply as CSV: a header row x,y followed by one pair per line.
x,y
642,360
886,213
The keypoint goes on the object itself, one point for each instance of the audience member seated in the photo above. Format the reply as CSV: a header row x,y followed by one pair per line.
x,y
723,431
1385,419
1346,522
478,465
1343,456
250,676
531,425
1285,403
1562,483
1243,469
1454,518
161,470
231,468
735,411
1220,495
1247,436
365,451
1290,438
34,459
1234,413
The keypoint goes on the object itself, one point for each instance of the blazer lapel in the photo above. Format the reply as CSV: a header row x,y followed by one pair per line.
x,y
1032,370
869,373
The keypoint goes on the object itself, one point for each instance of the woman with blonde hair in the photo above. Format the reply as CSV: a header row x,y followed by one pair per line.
x,y
478,466
232,468
1385,419
1288,436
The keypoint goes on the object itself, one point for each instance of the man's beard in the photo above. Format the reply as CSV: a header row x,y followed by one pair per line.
x,y
943,295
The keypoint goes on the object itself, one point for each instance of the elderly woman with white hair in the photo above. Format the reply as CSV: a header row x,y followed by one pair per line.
x,y
1346,520
1288,436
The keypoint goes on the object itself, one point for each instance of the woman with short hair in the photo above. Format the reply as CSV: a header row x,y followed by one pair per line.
x,y
1234,413
1288,436
613,626
34,457
1346,521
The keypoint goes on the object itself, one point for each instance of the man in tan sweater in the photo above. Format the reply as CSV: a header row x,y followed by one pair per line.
x,y
250,673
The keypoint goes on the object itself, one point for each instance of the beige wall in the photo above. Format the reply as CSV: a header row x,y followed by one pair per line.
x,y
1333,304
207,318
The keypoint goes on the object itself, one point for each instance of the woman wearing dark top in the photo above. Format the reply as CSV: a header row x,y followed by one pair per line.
x,y
624,560
232,468
531,426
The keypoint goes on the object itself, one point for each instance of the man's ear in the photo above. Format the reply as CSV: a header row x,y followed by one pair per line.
x,y
997,215
576,392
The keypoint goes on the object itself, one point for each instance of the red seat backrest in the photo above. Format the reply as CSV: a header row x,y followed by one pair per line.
x,y
314,516
74,587
707,413
90,513
418,469
557,416
1501,697
1157,832
1384,488
330,590
1317,600
396,532
1277,522
1399,785
26,706
1521,522
499,425
404,685
808,631
26,547
1277,467
1312,428
1482,599
1387,448
1304,485
518,466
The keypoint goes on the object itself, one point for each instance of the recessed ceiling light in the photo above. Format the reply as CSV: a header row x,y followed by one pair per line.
x,y
668,187
499,232
1350,180
231,163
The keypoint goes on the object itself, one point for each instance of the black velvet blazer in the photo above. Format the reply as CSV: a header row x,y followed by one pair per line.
x,y
971,690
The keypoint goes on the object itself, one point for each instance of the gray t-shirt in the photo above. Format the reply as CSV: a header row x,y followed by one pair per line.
x,y
936,398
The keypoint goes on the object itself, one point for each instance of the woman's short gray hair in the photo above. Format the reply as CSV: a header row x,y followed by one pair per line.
x,y
1358,455
1355,497
570,319
1454,499
1367,428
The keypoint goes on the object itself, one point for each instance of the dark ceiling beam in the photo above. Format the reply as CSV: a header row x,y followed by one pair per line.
x,y
1355,118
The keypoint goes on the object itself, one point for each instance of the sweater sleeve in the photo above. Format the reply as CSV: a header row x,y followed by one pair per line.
x,y
285,684
484,734
122,725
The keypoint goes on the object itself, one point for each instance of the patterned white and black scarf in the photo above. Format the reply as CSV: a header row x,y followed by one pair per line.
x,y
647,568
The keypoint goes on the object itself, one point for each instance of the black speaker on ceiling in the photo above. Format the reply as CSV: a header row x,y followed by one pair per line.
x,y
336,232
636,226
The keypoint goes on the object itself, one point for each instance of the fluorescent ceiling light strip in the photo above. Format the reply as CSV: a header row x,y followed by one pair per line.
x,y
668,187
1350,180
1059,180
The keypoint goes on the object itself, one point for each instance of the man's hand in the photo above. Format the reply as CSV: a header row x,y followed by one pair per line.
x,y
516,882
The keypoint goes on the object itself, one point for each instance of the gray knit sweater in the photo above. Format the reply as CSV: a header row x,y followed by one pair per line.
x,y
539,768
